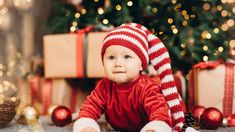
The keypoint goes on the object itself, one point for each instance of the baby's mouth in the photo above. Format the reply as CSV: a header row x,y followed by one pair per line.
x,y
117,72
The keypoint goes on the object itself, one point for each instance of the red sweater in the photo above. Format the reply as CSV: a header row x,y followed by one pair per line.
x,y
127,107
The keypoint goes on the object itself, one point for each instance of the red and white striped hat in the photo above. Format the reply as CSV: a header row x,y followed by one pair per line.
x,y
148,47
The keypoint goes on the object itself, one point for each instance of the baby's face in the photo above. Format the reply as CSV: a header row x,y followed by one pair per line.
x,y
121,64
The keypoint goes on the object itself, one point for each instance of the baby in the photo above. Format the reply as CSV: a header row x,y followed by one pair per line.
x,y
130,100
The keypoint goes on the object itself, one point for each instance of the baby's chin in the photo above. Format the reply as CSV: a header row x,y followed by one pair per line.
x,y
120,80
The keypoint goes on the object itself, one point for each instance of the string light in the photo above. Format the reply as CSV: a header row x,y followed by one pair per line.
x,y
233,9
129,3
193,16
77,15
118,7
74,24
216,53
154,10
105,21
72,28
206,35
174,1
100,10
206,6
182,53
224,13
183,45
185,23
219,8
177,7
160,33
184,12
224,27
230,22
216,30
83,11
186,17
96,0
170,20
232,43
175,31
205,47
227,1
205,58
220,49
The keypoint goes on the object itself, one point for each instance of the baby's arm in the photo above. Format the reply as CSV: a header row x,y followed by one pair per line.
x,y
157,110
91,110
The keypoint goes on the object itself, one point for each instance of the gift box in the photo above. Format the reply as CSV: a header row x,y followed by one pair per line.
x,y
44,93
63,55
73,55
211,84
94,64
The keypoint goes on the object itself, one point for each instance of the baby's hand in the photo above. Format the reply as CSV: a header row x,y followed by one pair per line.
x,y
88,129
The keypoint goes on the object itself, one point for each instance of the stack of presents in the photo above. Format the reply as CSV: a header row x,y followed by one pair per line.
x,y
72,65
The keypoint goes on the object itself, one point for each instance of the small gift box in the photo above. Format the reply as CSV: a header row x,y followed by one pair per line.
x,y
94,64
73,55
212,84
43,93
63,55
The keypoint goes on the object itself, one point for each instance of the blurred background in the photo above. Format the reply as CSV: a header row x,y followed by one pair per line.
x,y
194,31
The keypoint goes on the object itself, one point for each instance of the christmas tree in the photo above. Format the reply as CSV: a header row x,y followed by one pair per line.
x,y
193,31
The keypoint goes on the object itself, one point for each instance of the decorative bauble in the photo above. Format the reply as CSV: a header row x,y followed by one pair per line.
x,y
225,122
61,116
29,116
51,109
197,111
211,118
231,120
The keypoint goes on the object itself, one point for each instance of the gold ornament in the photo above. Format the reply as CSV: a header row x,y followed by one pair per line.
x,y
29,116
51,109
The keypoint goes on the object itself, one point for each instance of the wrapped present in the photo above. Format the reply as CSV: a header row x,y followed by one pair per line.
x,y
94,64
63,55
212,84
73,55
43,93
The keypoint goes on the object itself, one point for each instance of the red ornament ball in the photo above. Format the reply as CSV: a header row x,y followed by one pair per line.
x,y
231,120
61,116
197,111
211,118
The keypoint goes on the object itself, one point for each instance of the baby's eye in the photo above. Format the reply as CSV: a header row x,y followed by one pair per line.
x,y
110,57
127,57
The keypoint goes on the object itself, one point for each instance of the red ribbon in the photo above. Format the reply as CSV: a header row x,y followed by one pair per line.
x,y
46,93
34,87
79,54
228,89
208,65
73,99
231,120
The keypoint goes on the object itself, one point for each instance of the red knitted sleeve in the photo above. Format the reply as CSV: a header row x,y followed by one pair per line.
x,y
95,103
156,106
